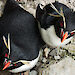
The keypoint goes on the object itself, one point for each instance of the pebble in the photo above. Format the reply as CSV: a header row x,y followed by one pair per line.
x,y
33,72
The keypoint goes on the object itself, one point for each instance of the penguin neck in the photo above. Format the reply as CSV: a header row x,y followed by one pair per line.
x,y
54,39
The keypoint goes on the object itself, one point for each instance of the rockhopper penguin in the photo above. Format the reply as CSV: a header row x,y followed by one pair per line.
x,y
20,40
56,23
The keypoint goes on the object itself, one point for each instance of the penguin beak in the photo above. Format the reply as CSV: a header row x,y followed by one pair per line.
x,y
7,65
64,36
72,32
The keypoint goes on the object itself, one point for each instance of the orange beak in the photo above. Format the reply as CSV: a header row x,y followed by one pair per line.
x,y
7,65
65,36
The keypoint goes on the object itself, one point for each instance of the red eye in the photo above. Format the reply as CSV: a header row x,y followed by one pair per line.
x,y
15,64
6,55
72,33
61,24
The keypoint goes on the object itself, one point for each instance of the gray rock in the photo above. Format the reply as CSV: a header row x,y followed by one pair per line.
x,y
33,72
64,67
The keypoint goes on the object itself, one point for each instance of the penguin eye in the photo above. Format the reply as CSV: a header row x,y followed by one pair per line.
x,y
15,64
61,24
72,33
6,55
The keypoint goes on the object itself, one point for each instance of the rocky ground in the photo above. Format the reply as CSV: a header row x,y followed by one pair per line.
x,y
51,63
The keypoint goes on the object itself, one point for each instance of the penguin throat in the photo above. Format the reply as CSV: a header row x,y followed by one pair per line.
x,y
50,37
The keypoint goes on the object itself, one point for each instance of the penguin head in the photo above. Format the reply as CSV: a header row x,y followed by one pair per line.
x,y
9,63
58,18
5,49
13,58
4,54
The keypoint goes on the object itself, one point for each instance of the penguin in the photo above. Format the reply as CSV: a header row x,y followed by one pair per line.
x,y
56,23
20,39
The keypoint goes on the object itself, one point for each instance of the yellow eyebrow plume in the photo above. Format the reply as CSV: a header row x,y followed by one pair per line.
x,y
60,13
7,44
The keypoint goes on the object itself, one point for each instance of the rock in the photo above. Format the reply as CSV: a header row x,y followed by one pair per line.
x,y
64,67
2,4
69,3
33,72
57,57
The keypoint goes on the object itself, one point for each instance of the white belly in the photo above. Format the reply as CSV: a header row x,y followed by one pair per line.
x,y
26,66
